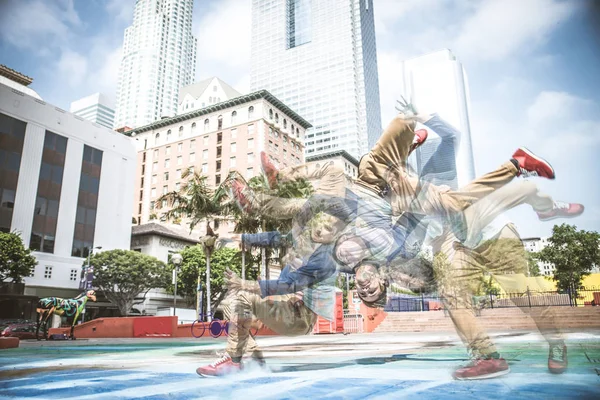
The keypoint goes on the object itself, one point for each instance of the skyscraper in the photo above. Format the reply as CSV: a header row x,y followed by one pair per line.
x,y
437,82
319,57
96,108
159,57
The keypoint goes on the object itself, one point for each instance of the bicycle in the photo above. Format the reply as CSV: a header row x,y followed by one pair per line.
x,y
216,327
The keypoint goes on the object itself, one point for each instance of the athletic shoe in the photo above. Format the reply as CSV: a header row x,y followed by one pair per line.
x,y
561,210
482,369
269,169
240,192
557,359
419,139
532,165
259,359
223,366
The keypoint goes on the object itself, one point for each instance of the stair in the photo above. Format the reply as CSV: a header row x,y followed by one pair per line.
x,y
500,319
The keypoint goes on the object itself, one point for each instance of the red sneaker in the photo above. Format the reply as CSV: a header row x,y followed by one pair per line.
x,y
240,192
269,169
557,359
223,366
532,165
482,369
561,210
419,139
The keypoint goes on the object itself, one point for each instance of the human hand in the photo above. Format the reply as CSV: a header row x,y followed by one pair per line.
x,y
408,110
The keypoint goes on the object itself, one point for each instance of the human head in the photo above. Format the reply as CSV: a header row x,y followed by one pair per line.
x,y
350,250
371,286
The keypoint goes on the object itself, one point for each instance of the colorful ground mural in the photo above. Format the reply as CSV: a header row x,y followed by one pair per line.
x,y
378,366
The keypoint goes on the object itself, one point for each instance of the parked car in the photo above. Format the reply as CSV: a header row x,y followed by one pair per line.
x,y
22,331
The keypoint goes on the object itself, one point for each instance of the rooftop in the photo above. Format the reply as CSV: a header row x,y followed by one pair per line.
x,y
327,156
153,228
15,75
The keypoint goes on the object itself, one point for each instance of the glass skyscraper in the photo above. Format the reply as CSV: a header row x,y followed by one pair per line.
x,y
159,57
319,57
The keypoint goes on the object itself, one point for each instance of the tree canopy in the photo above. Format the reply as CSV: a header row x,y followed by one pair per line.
x,y
573,252
16,261
122,275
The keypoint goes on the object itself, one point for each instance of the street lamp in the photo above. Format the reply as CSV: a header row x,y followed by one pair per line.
x,y
176,259
87,284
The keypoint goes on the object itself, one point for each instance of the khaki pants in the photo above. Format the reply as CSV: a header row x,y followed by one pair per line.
x,y
282,314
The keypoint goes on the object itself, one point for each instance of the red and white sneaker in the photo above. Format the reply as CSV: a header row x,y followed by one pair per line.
x,y
241,193
419,139
482,369
532,165
223,366
561,210
269,169
557,359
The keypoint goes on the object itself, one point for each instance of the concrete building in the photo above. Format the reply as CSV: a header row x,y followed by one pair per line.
x,y
342,157
159,57
319,57
96,108
16,80
534,245
65,186
212,141
205,93
437,82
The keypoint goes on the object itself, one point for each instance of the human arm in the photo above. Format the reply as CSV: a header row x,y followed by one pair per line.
x,y
264,239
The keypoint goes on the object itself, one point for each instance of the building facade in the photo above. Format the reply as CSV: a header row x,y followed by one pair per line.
x,y
65,186
534,245
96,108
319,57
205,93
214,140
437,82
342,158
159,57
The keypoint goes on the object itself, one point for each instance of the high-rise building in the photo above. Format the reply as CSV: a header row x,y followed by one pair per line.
x,y
96,108
437,82
159,57
319,57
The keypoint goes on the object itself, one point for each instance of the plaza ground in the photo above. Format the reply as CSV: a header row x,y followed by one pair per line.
x,y
355,366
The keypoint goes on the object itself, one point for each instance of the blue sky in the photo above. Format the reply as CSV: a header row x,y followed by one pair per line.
x,y
532,66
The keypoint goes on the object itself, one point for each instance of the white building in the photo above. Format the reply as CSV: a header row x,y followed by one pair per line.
x,y
65,185
437,82
319,57
534,245
96,108
205,93
159,57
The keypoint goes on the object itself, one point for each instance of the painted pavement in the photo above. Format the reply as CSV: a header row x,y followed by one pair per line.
x,y
377,366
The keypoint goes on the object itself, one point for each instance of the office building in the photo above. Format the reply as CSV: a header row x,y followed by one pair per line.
x,y
437,82
159,57
319,57
212,141
65,185
96,108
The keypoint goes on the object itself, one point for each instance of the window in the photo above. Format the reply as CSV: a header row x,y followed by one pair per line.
x,y
167,163
233,117
192,144
168,135
251,129
232,162
165,189
192,157
73,276
250,112
250,143
178,174
177,186
155,153
276,118
166,176
219,137
234,133
233,147
180,131
168,151
218,169
217,179
179,160
249,173
206,125
214,88
284,123
219,152
204,168
154,178
142,182
220,122
153,192
48,272
270,114
194,124
154,166
298,22
250,158
156,138
205,140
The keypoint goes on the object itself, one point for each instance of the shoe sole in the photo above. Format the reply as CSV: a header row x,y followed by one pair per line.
x,y
530,154
562,216
488,376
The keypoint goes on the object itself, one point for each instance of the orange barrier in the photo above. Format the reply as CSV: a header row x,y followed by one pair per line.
x,y
9,342
337,325
372,317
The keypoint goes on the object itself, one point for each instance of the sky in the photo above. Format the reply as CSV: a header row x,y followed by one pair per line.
x,y
532,66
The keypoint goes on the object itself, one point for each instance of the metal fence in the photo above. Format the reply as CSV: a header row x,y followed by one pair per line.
x,y
353,322
587,296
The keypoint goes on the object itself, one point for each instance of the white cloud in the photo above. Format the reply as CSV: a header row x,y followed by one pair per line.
x,y
72,67
224,34
499,28
120,10
551,107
